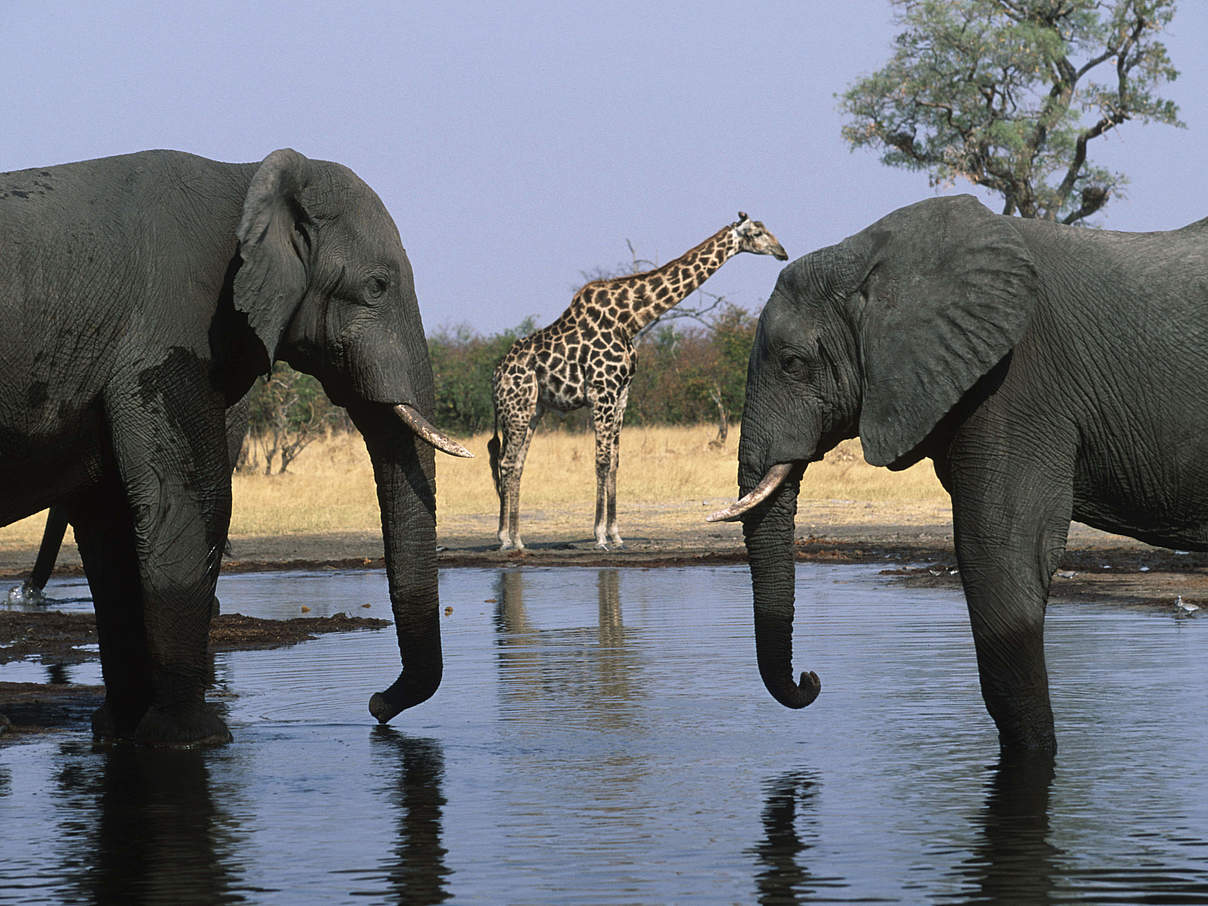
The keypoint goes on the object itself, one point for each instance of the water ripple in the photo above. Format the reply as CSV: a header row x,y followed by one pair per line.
x,y
602,736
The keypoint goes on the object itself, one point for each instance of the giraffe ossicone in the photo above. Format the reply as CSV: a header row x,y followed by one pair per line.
x,y
586,358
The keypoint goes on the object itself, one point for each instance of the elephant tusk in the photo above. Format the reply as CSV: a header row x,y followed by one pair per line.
x,y
422,427
771,481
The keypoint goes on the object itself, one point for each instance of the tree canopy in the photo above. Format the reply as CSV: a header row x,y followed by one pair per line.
x,y
1008,94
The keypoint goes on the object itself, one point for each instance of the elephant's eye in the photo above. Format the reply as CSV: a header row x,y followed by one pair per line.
x,y
794,365
376,285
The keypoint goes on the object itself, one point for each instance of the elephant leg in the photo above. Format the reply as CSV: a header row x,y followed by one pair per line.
x,y
170,446
105,537
1011,516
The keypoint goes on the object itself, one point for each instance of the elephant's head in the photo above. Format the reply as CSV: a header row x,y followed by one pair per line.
x,y
880,336
326,286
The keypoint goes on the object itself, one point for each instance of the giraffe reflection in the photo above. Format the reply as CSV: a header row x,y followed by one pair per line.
x,y
566,668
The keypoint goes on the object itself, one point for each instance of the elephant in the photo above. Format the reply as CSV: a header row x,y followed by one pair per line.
x,y
1049,372
144,293
31,591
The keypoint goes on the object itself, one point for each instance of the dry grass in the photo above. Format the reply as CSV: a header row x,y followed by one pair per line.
x,y
329,487
662,464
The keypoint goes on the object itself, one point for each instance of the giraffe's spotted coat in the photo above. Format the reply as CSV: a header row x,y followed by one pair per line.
x,y
586,358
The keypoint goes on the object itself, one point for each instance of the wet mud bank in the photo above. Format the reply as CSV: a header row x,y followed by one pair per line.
x,y
62,639
1127,576
1096,565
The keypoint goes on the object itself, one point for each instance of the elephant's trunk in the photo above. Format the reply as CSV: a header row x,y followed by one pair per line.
x,y
768,531
405,472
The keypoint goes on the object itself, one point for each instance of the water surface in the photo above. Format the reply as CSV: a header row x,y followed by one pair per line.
x,y
601,736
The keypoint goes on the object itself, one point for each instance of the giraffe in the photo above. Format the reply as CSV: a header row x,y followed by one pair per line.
x,y
586,358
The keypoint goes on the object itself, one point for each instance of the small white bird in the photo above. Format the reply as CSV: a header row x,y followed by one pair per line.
x,y
1182,609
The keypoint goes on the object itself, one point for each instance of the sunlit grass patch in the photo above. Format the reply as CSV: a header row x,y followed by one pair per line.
x,y
329,487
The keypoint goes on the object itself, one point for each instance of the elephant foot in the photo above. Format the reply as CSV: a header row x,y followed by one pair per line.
x,y
26,594
104,726
111,723
176,729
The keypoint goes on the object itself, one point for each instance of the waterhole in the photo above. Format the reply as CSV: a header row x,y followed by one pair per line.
x,y
602,736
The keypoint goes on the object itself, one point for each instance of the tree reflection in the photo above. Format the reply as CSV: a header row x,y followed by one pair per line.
x,y
418,873
789,832
158,837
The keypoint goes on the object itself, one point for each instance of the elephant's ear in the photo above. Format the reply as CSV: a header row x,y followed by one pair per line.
x,y
272,277
948,290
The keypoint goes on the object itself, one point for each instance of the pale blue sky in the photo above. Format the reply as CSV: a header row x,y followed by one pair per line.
x,y
519,144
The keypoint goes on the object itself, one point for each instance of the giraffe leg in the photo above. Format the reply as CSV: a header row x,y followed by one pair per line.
x,y
517,429
517,410
510,534
510,467
603,414
610,486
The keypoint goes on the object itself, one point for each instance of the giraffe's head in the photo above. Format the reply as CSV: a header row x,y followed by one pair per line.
x,y
753,236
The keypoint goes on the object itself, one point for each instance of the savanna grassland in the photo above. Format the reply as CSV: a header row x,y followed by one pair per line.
x,y
670,478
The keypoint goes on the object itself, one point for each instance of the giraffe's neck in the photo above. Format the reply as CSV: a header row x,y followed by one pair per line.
x,y
654,292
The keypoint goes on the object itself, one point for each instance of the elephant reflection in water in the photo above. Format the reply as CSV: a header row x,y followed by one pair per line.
x,y
790,830
1012,862
1015,862
159,836
534,670
419,873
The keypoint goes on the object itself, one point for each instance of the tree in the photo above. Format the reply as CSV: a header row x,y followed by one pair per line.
x,y
463,364
733,333
686,375
288,410
1008,94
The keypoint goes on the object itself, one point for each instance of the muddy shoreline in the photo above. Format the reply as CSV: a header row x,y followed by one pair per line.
x,y
55,638
1096,565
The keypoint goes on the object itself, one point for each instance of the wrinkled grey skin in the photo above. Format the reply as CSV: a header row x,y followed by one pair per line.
x,y
142,295
31,591
1050,372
